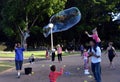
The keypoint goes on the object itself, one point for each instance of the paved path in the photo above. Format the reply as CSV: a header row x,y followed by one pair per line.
x,y
73,64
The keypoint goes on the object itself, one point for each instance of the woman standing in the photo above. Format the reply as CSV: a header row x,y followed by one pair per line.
x,y
59,52
111,53
18,58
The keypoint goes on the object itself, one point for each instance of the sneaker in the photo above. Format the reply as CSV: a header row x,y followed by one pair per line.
x,y
18,76
86,72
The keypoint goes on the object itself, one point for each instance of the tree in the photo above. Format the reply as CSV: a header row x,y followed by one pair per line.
x,y
94,14
32,15
20,16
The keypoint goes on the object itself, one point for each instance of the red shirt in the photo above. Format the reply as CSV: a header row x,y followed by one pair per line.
x,y
54,75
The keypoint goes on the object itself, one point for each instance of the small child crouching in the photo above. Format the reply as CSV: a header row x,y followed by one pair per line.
x,y
31,59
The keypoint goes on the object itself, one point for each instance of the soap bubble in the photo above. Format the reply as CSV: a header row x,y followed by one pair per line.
x,y
63,20
115,17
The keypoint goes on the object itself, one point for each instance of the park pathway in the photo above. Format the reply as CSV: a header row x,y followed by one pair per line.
x,y
73,65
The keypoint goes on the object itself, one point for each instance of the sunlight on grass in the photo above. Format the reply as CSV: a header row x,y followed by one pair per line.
x,y
27,54
6,65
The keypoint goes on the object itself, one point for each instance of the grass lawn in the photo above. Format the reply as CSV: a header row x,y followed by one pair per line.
x,y
4,65
27,54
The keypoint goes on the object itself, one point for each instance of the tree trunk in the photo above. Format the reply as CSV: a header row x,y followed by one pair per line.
x,y
25,32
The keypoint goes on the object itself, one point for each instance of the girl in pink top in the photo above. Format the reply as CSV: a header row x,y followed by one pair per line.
x,y
86,61
54,74
95,36
59,52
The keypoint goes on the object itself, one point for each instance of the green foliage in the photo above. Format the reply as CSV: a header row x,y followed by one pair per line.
x,y
29,13
35,30
95,14
34,14
9,32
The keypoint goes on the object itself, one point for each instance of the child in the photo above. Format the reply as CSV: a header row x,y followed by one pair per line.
x,y
31,59
86,60
95,36
54,74
47,54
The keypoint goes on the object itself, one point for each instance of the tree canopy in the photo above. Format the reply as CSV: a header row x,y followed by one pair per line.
x,y
28,14
22,15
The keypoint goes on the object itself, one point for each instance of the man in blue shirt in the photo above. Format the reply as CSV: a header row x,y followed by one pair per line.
x,y
18,58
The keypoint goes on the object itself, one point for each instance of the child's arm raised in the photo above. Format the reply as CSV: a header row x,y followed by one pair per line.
x,y
60,73
88,34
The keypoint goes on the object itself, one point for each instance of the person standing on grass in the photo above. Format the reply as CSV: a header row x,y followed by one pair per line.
x,y
47,54
111,53
82,49
95,54
59,52
18,58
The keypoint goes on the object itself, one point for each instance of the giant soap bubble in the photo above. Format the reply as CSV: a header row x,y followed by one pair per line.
x,y
115,17
63,20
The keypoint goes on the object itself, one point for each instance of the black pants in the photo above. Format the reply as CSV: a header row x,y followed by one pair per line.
x,y
53,56
59,57
31,60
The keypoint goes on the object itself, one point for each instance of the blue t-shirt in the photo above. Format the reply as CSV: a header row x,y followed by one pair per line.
x,y
19,54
